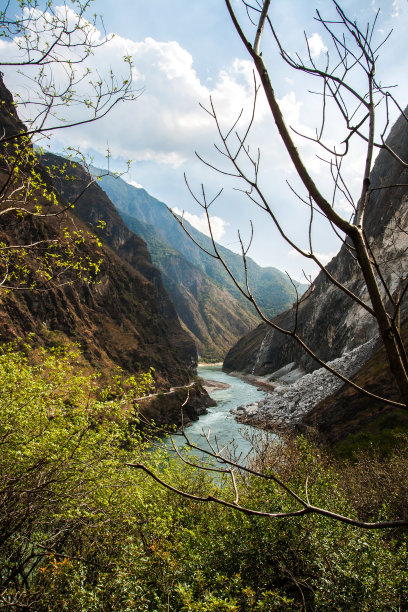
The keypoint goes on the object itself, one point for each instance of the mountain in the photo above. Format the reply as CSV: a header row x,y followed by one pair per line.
x,y
126,318
208,311
345,412
206,299
332,324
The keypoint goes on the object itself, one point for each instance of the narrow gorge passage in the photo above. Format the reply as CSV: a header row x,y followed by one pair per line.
x,y
219,421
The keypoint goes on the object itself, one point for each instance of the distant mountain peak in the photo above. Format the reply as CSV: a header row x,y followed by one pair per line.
x,y
206,299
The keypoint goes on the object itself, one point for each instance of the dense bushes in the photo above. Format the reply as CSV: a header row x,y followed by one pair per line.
x,y
81,531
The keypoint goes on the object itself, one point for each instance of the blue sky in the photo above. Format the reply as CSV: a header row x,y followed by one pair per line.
x,y
186,50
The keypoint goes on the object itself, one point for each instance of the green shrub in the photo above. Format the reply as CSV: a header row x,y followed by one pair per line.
x,y
82,531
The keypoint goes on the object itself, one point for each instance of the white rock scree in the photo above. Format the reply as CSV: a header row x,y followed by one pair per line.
x,y
296,393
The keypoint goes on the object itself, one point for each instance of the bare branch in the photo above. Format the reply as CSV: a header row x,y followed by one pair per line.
x,y
261,25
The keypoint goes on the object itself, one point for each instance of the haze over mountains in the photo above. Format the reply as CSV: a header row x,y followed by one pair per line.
x,y
206,299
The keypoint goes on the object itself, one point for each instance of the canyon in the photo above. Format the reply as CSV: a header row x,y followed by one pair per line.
x,y
335,327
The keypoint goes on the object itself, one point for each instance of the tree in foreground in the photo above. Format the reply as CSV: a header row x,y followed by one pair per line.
x,y
353,98
80,531
48,47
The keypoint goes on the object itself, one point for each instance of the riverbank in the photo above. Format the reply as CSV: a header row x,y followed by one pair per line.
x,y
210,364
178,405
261,383
289,402
213,385
224,429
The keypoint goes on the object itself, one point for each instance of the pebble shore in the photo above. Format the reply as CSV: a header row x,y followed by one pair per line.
x,y
287,404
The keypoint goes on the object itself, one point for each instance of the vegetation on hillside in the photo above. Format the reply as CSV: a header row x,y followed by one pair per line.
x,y
271,286
81,530
189,274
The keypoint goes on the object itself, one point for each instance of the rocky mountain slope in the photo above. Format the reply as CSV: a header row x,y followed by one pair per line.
x,y
96,209
328,320
206,299
213,316
344,412
126,319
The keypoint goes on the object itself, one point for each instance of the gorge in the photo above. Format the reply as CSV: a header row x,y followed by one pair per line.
x,y
123,487
336,328
207,304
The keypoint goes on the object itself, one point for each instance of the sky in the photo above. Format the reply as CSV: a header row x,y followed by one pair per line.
x,y
185,51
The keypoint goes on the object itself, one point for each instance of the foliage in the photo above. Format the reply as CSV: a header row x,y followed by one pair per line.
x,y
80,530
385,433
40,245
61,444
52,42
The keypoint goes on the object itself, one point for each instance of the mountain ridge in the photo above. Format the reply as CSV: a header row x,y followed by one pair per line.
x,y
126,319
329,321
214,327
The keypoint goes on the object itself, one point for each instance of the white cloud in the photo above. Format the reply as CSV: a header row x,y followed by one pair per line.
x,y
316,45
290,107
310,275
396,8
344,206
166,124
324,258
134,183
218,225
171,158
163,128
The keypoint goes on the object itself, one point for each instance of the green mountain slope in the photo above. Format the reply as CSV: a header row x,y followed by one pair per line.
x,y
211,314
206,299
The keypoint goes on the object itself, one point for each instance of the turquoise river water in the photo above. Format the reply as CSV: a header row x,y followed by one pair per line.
x,y
219,421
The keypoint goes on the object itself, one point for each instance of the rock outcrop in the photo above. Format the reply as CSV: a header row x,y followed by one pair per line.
x,y
331,323
345,412
290,402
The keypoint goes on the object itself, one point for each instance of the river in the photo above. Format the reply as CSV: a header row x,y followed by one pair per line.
x,y
219,421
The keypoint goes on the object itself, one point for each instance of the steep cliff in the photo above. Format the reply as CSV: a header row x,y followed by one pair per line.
x,y
335,327
329,321
94,207
126,319
212,315
346,412
206,299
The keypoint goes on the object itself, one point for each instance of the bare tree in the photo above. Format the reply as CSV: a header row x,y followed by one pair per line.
x,y
348,83
355,61
220,462
49,46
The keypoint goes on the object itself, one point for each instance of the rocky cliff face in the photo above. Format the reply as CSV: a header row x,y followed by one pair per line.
x,y
212,315
126,319
345,412
95,207
329,321
335,327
